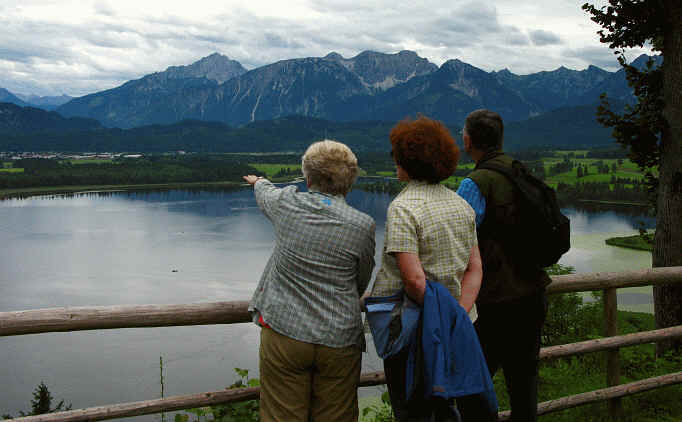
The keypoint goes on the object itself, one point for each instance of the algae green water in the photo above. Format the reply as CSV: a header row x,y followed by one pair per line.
x,y
589,253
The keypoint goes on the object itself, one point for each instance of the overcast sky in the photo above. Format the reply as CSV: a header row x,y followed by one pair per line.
x,y
76,47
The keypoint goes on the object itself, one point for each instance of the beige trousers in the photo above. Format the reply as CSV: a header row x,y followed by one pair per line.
x,y
307,382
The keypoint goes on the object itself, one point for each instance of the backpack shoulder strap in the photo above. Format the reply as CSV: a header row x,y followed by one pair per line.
x,y
509,172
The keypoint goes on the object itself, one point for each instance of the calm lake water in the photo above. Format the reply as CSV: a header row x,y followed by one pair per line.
x,y
178,246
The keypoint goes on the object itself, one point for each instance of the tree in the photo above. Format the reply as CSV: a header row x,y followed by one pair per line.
x,y
41,403
652,128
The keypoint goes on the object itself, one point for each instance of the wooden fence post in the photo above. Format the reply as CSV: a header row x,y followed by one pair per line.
x,y
613,356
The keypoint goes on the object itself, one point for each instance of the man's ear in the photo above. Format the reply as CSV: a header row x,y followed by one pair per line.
x,y
466,140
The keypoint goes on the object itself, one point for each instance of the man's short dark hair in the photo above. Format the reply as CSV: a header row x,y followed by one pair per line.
x,y
485,129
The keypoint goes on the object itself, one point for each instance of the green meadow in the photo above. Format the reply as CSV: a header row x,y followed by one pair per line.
x,y
90,161
271,170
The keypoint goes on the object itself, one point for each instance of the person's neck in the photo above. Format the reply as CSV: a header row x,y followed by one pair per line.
x,y
476,155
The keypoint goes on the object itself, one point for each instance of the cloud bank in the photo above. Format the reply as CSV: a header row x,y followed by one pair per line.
x,y
75,47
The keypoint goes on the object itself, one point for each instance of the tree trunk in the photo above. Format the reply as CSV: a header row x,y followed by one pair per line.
x,y
668,241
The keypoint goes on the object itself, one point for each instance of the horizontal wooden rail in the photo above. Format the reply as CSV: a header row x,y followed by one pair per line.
x,y
129,316
603,394
213,398
370,379
610,343
599,281
169,404
110,317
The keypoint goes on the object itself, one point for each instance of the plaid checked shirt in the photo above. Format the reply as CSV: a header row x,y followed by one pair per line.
x,y
322,262
439,226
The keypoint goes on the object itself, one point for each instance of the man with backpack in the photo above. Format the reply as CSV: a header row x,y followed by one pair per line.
x,y
520,231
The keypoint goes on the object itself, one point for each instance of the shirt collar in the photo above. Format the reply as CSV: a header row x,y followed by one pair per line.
x,y
338,197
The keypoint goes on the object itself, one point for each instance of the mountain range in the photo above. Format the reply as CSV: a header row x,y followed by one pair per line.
x,y
369,86
46,103
18,120
186,107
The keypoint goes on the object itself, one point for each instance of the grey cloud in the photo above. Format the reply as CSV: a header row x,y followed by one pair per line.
x,y
214,39
599,56
541,37
103,7
111,39
344,6
276,41
15,55
470,25
477,15
517,40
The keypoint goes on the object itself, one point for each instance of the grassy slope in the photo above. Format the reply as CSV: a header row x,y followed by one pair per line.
x,y
632,242
271,169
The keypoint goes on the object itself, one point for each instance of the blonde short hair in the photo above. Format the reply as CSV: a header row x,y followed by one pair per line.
x,y
330,167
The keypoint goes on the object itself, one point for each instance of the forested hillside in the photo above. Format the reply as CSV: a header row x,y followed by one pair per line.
x,y
570,128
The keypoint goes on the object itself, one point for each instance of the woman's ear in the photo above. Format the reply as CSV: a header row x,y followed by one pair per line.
x,y
401,173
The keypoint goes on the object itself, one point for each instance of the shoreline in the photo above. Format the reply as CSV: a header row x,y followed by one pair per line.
x,y
630,242
599,201
77,189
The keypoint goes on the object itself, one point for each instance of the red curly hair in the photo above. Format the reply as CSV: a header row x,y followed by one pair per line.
x,y
425,149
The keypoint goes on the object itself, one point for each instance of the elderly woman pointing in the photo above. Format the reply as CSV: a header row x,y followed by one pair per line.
x,y
307,300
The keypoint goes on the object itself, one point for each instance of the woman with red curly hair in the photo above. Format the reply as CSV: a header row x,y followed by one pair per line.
x,y
430,234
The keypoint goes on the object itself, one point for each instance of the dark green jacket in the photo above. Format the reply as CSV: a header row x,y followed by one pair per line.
x,y
503,278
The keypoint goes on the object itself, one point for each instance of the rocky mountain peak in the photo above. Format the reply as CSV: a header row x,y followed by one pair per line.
x,y
456,65
334,56
216,67
641,61
408,53
505,75
381,71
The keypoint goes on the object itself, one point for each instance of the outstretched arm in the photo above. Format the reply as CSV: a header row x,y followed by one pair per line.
x,y
251,179
267,194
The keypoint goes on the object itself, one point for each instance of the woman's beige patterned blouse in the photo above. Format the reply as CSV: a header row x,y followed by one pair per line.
x,y
439,226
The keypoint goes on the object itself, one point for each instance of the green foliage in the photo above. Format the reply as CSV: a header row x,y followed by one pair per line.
x,y
147,170
42,403
574,176
279,171
627,24
392,187
246,411
11,170
381,412
577,374
585,373
641,242
652,128
568,318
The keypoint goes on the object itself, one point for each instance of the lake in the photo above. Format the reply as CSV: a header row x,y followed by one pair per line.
x,y
179,246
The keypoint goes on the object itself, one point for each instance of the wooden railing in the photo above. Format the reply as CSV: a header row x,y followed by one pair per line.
x,y
112,317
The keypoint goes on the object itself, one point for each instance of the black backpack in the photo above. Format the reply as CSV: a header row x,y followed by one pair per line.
x,y
543,233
